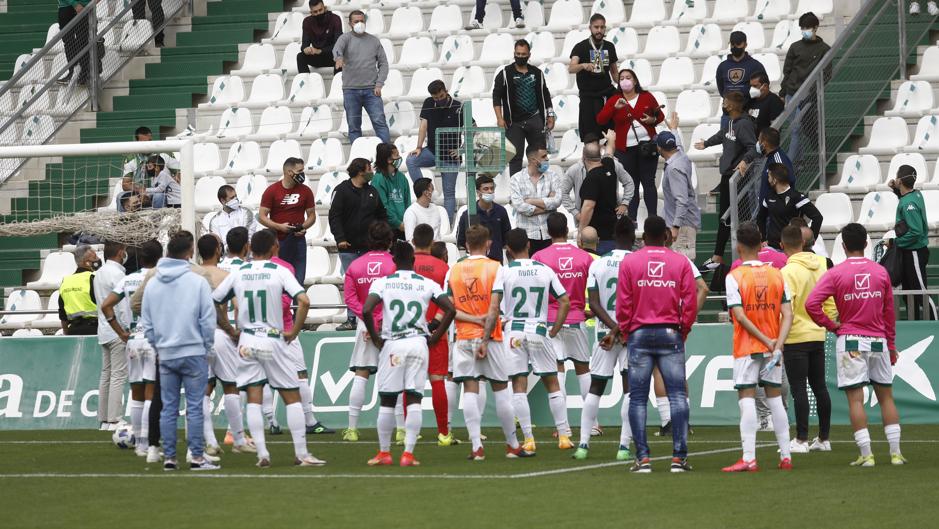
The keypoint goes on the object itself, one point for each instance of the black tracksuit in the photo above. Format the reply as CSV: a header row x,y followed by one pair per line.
x,y
778,209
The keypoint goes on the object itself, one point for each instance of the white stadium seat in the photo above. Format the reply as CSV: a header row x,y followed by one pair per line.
x,y
451,237
859,173
756,37
375,22
642,68
401,117
928,66
785,33
542,46
324,295
250,187
662,41
684,14
21,301
258,58
693,106
567,110
625,40
405,144
243,156
305,89
364,147
394,84
556,76
565,14
704,40
498,49
206,192
730,10
926,138
27,333
570,148
914,98
206,158
878,210
325,155
934,183
421,78
42,104
335,89
456,49
771,9
288,28
37,129
278,152
52,32
227,90
484,114
389,48
931,198
819,7
662,99
406,21
836,211
49,320
446,18
55,267
770,62
888,135
492,20
325,186
468,81
570,40
913,159
703,132
314,122
677,73
417,51
534,14
613,10
317,264
709,73
837,251
275,122
647,12
235,123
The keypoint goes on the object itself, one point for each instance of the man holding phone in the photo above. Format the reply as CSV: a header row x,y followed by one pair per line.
x,y
288,208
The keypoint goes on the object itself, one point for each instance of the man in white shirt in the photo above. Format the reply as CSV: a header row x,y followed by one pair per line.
x,y
423,211
535,195
113,356
232,215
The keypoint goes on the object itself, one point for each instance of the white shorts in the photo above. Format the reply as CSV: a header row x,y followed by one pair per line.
x,y
494,367
571,344
266,360
751,371
225,360
529,352
364,352
603,363
862,360
297,352
403,366
141,361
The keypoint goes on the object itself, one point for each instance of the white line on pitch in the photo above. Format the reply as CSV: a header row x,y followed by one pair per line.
x,y
592,442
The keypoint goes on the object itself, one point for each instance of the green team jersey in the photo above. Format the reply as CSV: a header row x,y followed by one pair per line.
x,y
912,210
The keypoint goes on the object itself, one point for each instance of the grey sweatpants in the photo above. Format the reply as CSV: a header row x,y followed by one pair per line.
x,y
112,381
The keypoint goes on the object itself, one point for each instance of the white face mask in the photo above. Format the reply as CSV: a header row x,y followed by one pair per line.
x,y
487,197
359,27
755,92
807,34
233,203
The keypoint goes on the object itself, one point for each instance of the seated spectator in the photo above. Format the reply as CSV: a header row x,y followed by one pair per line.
x,y
127,183
765,106
489,214
392,186
438,110
439,250
233,214
165,188
320,31
423,211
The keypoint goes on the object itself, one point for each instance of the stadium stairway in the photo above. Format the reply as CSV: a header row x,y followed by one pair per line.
x,y
23,27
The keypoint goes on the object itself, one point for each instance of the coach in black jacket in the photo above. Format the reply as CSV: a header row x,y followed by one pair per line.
x,y
782,204
522,104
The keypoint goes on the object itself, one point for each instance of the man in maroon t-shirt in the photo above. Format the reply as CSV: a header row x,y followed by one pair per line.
x,y
288,208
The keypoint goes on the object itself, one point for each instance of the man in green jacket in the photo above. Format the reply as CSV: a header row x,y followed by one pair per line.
x,y
912,239
77,38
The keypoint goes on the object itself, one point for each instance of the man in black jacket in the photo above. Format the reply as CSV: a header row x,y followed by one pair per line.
x,y
765,106
801,59
781,205
320,31
522,104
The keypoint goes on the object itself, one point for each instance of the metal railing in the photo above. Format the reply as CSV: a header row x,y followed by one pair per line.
x,y
744,203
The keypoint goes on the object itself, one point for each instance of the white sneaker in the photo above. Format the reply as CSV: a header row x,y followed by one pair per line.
x,y
213,450
141,450
798,447
103,427
820,446
932,9
309,460
208,457
914,8
475,24
245,448
153,454
519,22
204,464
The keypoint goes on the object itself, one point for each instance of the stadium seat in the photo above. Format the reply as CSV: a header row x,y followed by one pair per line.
x,y
686,13
325,155
367,127
926,138
314,122
468,81
613,10
570,40
275,123
785,33
928,66
26,333
401,116
913,159
709,74
325,186
647,13
931,199
534,14
405,145
703,132
934,182
266,89
421,78
305,89
49,321
542,46
859,174
770,62
819,7
406,21
55,267
484,114
730,10
453,253
662,99
374,21
278,152
336,275
503,187
389,48
37,129
625,40
693,106
250,187
446,19
642,68
451,236
243,156
498,49
324,295
235,123
417,51
565,14
394,84
134,35
878,210
662,41
258,59
42,104
556,76
227,90
206,158
317,264
677,73
364,147
51,33
771,9
914,98
570,148
837,251
756,37
288,61
288,28
567,108
457,49
704,40
888,136
493,19
836,211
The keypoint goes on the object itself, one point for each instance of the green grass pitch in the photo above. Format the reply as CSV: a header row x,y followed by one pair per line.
x,y
73,479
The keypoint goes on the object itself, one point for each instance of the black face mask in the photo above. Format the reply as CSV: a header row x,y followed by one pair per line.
x,y
95,265
441,103
299,178
737,52
320,17
521,61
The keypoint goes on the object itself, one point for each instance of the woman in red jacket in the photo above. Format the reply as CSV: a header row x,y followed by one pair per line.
x,y
635,113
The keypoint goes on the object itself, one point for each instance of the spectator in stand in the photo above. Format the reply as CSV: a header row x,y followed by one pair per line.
x,y
535,195
768,144
364,67
734,72
438,110
635,113
78,312
681,212
165,189
423,211
156,15
765,106
738,137
392,186
232,215
113,354
573,178
288,208
127,184
489,214
140,160
355,206
320,31
782,204
931,8
801,59
598,196
522,104
477,22
76,40
912,240
593,60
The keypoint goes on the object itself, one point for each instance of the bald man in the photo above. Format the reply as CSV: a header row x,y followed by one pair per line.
x,y
588,240
598,193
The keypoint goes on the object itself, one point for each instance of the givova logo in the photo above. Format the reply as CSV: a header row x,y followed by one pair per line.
x,y
331,380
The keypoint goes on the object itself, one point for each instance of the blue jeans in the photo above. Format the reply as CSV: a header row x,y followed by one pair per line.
x,y
664,347
795,127
293,250
192,374
427,159
353,100
345,259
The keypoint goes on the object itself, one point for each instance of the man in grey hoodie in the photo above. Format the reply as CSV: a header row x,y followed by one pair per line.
x,y
179,317
364,67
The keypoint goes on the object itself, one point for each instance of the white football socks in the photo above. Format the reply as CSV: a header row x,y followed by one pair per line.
x,y
584,382
863,440
399,412
523,413
472,418
356,399
506,417
557,402
562,380
780,425
235,421
453,400
748,427
481,399
306,401
664,409
626,432
208,428
267,405
297,426
256,427
892,431
412,426
144,437
136,415
386,427
588,415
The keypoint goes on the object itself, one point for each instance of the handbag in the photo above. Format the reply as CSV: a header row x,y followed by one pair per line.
x,y
893,262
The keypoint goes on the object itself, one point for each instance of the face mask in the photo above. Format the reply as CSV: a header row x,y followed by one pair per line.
x,y
299,178
543,166
755,92
233,203
737,52
759,148
320,17
368,176
441,103
359,27
96,264
396,163
807,34
521,61
488,197
626,85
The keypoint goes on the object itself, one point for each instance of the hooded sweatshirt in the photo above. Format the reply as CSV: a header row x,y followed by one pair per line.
x,y
177,311
802,272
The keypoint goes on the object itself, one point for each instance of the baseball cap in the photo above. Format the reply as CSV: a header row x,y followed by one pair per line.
x,y
737,38
666,140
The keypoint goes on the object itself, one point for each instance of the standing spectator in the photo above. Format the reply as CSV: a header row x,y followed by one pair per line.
x,y
288,208
931,8
765,106
438,110
489,214
364,67
320,31
76,40
113,354
734,72
912,240
801,59
233,215
392,186
78,312
574,177
593,60
423,211
657,314
681,212
635,113
738,137
477,22
179,318
598,194
768,144
522,103
804,355
356,204
782,204
535,195
156,16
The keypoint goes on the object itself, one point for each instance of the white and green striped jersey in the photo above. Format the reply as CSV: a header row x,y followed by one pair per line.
x,y
405,297
526,285
124,290
257,287
602,277
230,264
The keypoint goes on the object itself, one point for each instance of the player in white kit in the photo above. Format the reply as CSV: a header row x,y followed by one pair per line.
x,y
262,341
403,343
